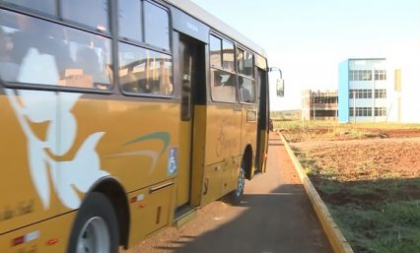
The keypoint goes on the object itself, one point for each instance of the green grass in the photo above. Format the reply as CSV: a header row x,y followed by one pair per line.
x,y
388,228
379,213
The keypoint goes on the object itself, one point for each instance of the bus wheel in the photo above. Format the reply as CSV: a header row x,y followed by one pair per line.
x,y
234,197
95,229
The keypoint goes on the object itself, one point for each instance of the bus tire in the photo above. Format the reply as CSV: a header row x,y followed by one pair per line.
x,y
95,229
234,197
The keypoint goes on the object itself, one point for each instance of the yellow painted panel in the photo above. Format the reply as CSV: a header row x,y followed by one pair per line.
x,y
198,158
212,183
184,171
39,235
223,133
20,204
150,211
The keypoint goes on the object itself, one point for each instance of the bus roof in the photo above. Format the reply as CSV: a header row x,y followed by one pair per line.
x,y
199,13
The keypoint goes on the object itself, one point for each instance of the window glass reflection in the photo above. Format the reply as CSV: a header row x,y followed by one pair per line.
x,y
145,71
248,64
93,13
38,52
215,51
228,55
156,26
223,87
46,6
129,13
246,90
245,62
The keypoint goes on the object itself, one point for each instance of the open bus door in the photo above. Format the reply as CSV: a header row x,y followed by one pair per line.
x,y
192,74
263,115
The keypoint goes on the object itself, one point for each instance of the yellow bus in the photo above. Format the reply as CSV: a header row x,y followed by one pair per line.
x,y
120,118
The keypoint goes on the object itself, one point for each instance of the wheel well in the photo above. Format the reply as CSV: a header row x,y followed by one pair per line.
x,y
111,188
247,162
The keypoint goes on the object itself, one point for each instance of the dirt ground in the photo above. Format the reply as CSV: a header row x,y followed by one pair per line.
x,y
362,169
378,154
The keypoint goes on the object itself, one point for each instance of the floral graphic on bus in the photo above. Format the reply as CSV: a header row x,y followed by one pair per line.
x,y
68,177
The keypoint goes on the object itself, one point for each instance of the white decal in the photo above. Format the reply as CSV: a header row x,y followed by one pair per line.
x,y
67,177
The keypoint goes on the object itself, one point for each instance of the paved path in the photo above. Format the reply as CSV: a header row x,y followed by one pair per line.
x,y
275,216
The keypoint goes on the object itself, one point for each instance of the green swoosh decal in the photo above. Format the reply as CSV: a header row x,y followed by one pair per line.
x,y
163,136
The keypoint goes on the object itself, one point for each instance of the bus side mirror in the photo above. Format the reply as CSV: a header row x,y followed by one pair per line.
x,y
279,83
280,88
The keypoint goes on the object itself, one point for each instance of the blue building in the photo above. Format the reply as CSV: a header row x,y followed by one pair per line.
x,y
362,92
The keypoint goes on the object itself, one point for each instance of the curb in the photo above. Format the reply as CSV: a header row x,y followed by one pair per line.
x,y
336,238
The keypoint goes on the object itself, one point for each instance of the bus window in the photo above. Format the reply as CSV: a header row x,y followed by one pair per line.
x,y
223,86
245,62
130,20
215,51
93,13
46,6
145,71
156,26
228,56
246,90
44,53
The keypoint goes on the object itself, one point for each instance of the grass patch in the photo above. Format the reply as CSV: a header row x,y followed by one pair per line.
x,y
389,228
372,190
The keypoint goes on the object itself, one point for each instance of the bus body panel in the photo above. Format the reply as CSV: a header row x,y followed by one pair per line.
x,y
20,203
153,204
49,236
223,128
50,180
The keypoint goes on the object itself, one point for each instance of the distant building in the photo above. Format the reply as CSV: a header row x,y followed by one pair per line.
x,y
319,105
364,88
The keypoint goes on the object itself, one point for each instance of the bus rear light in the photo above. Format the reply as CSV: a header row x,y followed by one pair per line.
x,y
18,240
25,238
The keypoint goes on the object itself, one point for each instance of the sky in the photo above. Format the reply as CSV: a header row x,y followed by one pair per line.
x,y
307,39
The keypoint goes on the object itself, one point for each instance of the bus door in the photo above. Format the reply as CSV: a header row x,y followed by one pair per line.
x,y
191,70
263,111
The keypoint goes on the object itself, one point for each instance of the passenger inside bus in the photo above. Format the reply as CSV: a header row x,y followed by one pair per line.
x,y
244,92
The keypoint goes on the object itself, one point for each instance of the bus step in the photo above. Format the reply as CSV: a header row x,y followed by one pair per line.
x,y
184,215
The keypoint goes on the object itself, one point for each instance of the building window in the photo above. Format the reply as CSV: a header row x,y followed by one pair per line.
x,y
360,75
380,111
380,74
360,112
360,94
380,93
